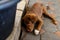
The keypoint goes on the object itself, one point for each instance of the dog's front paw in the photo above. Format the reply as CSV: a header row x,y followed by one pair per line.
x,y
36,32
55,22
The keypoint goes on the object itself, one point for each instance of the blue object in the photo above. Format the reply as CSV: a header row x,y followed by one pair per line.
x,y
7,17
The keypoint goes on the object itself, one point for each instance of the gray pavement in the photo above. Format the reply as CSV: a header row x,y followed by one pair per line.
x,y
48,26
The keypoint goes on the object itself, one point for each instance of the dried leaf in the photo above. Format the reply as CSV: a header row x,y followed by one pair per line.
x,y
50,3
57,33
52,8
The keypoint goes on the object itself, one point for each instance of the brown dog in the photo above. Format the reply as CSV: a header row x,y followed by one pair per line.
x,y
33,18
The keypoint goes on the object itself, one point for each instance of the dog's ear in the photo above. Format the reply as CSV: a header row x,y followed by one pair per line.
x,y
24,18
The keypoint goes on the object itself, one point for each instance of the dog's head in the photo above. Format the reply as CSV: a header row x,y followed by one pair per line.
x,y
29,21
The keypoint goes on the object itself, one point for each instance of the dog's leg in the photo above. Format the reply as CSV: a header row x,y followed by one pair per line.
x,y
49,15
39,25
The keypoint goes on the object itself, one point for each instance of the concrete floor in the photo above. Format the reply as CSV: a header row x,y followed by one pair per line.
x,y
51,30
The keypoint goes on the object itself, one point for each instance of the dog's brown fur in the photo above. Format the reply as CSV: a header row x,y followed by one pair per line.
x,y
33,17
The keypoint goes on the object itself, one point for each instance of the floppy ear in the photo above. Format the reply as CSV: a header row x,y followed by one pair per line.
x,y
24,18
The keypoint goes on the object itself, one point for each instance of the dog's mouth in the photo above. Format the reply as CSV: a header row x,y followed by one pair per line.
x,y
29,30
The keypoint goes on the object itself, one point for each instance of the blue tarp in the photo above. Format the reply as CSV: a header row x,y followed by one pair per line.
x,y
7,3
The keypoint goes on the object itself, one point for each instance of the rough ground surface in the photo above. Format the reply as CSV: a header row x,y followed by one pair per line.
x,y
52,31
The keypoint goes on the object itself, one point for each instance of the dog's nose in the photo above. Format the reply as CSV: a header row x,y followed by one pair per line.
x,y
29,24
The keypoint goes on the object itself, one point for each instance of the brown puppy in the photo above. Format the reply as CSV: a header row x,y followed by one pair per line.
x,y
33,17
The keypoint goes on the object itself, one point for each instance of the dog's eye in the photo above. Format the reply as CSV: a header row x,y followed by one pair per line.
x,y
29,19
